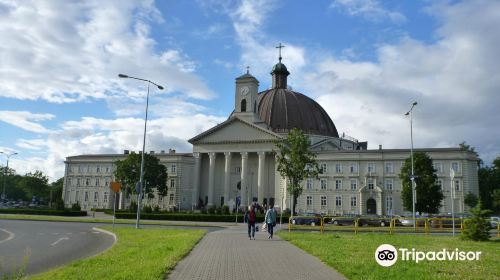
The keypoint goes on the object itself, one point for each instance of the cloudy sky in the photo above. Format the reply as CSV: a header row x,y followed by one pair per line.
x,y
365,62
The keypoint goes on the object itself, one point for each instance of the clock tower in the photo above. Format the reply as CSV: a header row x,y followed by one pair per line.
x,y
245,97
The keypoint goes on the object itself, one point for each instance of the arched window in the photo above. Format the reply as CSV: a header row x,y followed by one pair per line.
x,y
244,105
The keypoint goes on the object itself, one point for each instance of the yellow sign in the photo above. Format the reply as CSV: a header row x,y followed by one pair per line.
x,y
116,186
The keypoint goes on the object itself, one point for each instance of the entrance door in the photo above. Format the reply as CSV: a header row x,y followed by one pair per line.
x,y
371,206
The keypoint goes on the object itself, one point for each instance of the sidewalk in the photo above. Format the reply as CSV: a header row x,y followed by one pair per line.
x,y
229,254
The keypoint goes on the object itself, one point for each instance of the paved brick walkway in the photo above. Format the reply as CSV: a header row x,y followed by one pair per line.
x,y
229,254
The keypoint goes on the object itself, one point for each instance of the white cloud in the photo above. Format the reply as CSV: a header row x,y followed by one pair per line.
x,y
71,51
97,136
26,120
370,10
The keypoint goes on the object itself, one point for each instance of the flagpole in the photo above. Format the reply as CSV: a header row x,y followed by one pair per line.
x,y
452,193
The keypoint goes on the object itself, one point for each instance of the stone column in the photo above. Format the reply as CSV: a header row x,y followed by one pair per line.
x,y
227,176
244,178
211,178
196,182
260,178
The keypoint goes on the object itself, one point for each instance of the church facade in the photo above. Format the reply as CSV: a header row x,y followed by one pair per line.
x,y
235,162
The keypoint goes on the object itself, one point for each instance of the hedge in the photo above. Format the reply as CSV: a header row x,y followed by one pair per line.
x,y
191,217
43,212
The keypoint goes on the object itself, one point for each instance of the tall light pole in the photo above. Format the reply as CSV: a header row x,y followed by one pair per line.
x,y
141,176
412,177
6,170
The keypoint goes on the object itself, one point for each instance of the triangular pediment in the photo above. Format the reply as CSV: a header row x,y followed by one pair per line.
x,y
235,130
325,145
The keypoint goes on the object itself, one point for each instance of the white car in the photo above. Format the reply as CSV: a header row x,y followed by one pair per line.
x,y
494,221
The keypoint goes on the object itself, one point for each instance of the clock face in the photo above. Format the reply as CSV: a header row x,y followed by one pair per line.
x,y
244,90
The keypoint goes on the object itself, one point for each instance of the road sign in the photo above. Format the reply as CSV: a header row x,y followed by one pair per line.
x,y
116,186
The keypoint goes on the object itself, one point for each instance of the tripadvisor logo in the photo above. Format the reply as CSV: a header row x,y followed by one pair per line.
x,y
387,255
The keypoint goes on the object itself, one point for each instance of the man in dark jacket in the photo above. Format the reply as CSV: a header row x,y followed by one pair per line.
x,y
250,220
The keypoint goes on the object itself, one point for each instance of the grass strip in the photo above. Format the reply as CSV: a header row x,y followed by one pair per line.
x,y
138,254
353,255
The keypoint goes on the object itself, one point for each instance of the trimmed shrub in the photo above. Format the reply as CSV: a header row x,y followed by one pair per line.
x,y
76,207
147,209
48,212
211,210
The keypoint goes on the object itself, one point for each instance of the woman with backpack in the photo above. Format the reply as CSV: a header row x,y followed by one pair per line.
x,y
250,219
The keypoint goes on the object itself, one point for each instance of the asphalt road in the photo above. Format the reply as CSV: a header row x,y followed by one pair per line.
x,y
44,245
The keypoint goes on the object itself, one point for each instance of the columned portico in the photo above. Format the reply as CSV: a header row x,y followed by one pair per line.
x,y
211,178
227,176
244,177
260,178
196,183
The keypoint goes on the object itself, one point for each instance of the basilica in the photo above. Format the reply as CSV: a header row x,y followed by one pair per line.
x,y
234,163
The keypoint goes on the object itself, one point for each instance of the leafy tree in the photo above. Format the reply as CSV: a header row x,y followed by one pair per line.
x,y
296,162
57,189
477,227
470,200
495,197
429,194
155,174
489,185
35,185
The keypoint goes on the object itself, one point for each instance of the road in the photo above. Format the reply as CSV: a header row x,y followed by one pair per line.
x,y
45,245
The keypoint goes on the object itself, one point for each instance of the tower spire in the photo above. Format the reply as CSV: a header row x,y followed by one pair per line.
x,y
280,46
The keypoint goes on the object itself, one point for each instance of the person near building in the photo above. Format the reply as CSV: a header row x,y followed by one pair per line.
x,y
270,221
250,220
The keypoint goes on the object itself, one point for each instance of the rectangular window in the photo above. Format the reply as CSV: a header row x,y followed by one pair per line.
x,y
106,182
323,202
105,197
338,184
107,169
438,167
338,201
388,184
86,196
353,168
439,182
96,196
323,184
171,199
309,184
456,167
371,167
80,169
389,168
323,168
98,169
353,201
388,203
338,168
87,182
173,168
371,184
97,182
77,196
77,182
354,184
69,182
309,201
237,169
172,183
457,185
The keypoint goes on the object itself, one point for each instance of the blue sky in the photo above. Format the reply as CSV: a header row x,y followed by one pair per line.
x,y
365,62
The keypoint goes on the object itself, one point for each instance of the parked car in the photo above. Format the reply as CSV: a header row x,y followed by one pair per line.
x,y
374,220
444,221
408,221
344,220
307,219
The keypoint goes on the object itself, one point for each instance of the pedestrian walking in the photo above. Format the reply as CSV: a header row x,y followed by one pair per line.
x,y
250,220
270,221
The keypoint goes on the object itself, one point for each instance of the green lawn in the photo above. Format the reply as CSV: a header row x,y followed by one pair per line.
x,y
138,254
354,255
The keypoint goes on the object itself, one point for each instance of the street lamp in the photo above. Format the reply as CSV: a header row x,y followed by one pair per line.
x,y
6,170
141,176
412,177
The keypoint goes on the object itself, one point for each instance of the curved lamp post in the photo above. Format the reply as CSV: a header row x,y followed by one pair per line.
x,y
6,170
141,176
412,177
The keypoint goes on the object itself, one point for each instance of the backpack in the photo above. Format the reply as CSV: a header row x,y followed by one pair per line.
x,y
251,216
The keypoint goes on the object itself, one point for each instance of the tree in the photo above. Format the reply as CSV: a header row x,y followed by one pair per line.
x,y
495,197
489,185
470,200
155,174
429,194
35,185
296,162
57,189
477,227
